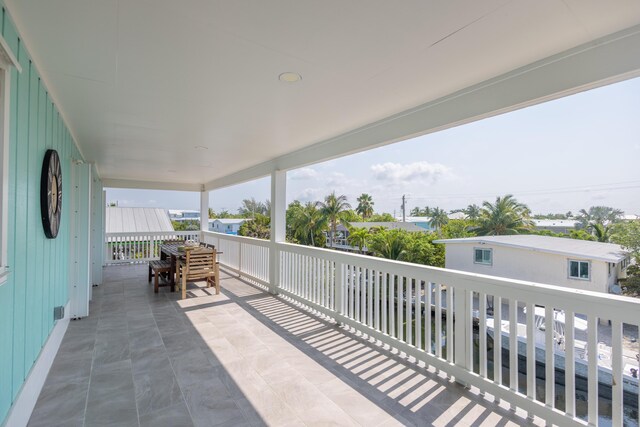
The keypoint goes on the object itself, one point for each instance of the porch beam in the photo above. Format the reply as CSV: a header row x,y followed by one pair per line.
x,y
612,58
204,210
150,185
278,225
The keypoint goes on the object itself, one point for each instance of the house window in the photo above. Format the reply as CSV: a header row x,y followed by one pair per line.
x,y
483,256
579,270
625,263
7,61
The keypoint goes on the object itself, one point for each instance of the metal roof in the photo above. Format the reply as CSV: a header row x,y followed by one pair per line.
x,y
414,218
137,220
608,252
230,220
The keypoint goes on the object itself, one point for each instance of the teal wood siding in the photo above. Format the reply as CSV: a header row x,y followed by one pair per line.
x,y
39,267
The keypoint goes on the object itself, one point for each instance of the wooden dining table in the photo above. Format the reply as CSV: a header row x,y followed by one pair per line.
x,y
170,250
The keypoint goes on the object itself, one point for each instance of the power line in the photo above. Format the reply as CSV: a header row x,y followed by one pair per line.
x,y
586,188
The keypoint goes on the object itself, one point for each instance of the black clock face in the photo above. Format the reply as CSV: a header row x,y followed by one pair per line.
x,y
51,193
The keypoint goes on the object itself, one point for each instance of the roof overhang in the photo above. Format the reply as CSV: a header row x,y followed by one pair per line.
x,y
183,94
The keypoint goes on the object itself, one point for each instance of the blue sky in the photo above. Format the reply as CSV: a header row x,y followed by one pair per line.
x,y
562,155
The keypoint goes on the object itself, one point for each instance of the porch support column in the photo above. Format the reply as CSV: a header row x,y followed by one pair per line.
x,y
204,209
278,225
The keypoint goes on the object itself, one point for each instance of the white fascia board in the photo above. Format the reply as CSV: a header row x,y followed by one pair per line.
x,y
150,185
612,58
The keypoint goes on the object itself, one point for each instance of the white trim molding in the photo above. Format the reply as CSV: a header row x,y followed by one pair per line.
x,y
7,56
7,61
22,407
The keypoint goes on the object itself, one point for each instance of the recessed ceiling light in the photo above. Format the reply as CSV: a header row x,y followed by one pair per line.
x,y
290,77
201,147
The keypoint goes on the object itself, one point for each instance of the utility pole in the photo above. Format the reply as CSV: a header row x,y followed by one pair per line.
x,y
403,207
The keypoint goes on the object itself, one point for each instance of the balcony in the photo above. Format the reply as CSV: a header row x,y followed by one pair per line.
x,y
196,98
335,346
244,357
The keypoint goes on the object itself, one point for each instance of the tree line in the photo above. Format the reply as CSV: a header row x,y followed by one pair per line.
x,y
315,223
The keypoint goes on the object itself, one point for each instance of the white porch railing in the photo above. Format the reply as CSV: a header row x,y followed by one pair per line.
x,y
243,255
123,248
440,317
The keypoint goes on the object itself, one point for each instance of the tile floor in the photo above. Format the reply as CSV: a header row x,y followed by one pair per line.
x,y
240,358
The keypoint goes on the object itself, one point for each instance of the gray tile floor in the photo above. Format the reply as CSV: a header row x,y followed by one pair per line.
x,y
240,358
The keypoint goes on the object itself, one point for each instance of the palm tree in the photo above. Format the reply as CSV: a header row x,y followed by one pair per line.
x,y
389,244
505,216
601,232
259,227
223,214
427,211
267,207
365,206
472,212
602,215
251,207
331,209
439,218
358,237
307,223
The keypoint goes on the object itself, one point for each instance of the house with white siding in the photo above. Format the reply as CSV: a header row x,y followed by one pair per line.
x,y
226,225
572,263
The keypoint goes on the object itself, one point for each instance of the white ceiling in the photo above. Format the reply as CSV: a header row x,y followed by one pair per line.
x,y
143,82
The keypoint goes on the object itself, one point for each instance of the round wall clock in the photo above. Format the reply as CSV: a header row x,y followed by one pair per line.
x,y
51,193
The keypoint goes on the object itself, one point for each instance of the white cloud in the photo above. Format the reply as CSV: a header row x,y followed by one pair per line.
x,y
310,195
410,173
337,179
303,173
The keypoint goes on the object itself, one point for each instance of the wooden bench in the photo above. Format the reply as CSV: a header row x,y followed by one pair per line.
x,y
156,268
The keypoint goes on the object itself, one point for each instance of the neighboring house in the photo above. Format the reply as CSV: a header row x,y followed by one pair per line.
x,y
184,215
130,221
556,225
342,233
457,215
578,264
420,221
226,225
136,220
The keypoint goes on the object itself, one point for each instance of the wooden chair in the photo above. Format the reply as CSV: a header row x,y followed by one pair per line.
x,y
199,263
